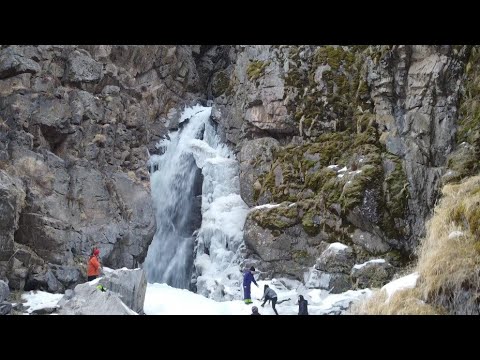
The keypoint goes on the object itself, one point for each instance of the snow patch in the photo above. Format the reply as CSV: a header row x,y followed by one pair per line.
x,y
337,246
375,261
405,282
455,234
265,206
36,300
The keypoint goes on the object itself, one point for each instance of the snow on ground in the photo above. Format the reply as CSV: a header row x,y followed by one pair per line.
x,y
405,282
162,299
39,300
378,261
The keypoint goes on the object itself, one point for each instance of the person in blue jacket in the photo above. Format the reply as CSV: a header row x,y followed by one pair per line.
x,y
247,282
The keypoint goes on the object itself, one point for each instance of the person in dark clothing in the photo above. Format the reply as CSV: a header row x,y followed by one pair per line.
x,y
255,311
269,294
247,282
302,306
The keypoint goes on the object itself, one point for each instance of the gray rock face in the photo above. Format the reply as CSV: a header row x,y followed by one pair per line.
x,y
332,269
11,202
255,160
372,274
415,92
335,283
68,276
4,291
130,285
12,63
336,260
370,242
259,90
76,125
5,308
24,263
461,302
88,300
45,281
408,93
287,252
82,68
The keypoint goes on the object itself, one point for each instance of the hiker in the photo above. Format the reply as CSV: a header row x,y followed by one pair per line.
x,y
255,311
269,294
247,282
94,267
302,306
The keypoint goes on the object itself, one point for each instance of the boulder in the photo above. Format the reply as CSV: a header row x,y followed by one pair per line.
x,y
82,68
13,63
373,273
335,283
130,285
337,258
88,300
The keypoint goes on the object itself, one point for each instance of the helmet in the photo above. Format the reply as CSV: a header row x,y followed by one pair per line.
x,y
96,252
254,309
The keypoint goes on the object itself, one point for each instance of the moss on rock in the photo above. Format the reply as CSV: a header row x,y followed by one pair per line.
x,y
277,218
465,162
256,69
221,84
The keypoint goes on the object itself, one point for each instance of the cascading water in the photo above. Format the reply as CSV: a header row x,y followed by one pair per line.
x,y
169,257
219,240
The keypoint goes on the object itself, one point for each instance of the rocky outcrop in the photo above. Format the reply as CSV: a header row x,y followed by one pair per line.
x,y
332,269
123,293
255,160
77,125
335,283
12,198
358,135
416,92
86,299
276,236
13,62
130,285
372,274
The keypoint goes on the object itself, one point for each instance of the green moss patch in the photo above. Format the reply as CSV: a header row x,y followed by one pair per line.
x,y
256,69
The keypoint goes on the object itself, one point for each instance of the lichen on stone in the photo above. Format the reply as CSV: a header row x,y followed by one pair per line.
x,y
256,69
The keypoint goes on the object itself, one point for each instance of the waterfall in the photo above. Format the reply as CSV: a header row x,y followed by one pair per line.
x,y
213,253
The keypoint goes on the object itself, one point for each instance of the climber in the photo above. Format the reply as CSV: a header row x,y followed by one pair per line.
x,y
247,282
94,267
269,294
302,306
255,311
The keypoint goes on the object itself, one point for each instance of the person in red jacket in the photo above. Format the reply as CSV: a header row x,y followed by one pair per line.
x,y
94,267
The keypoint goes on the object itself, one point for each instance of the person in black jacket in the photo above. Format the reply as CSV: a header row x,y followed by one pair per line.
x,y
255,311
302,306
271,295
